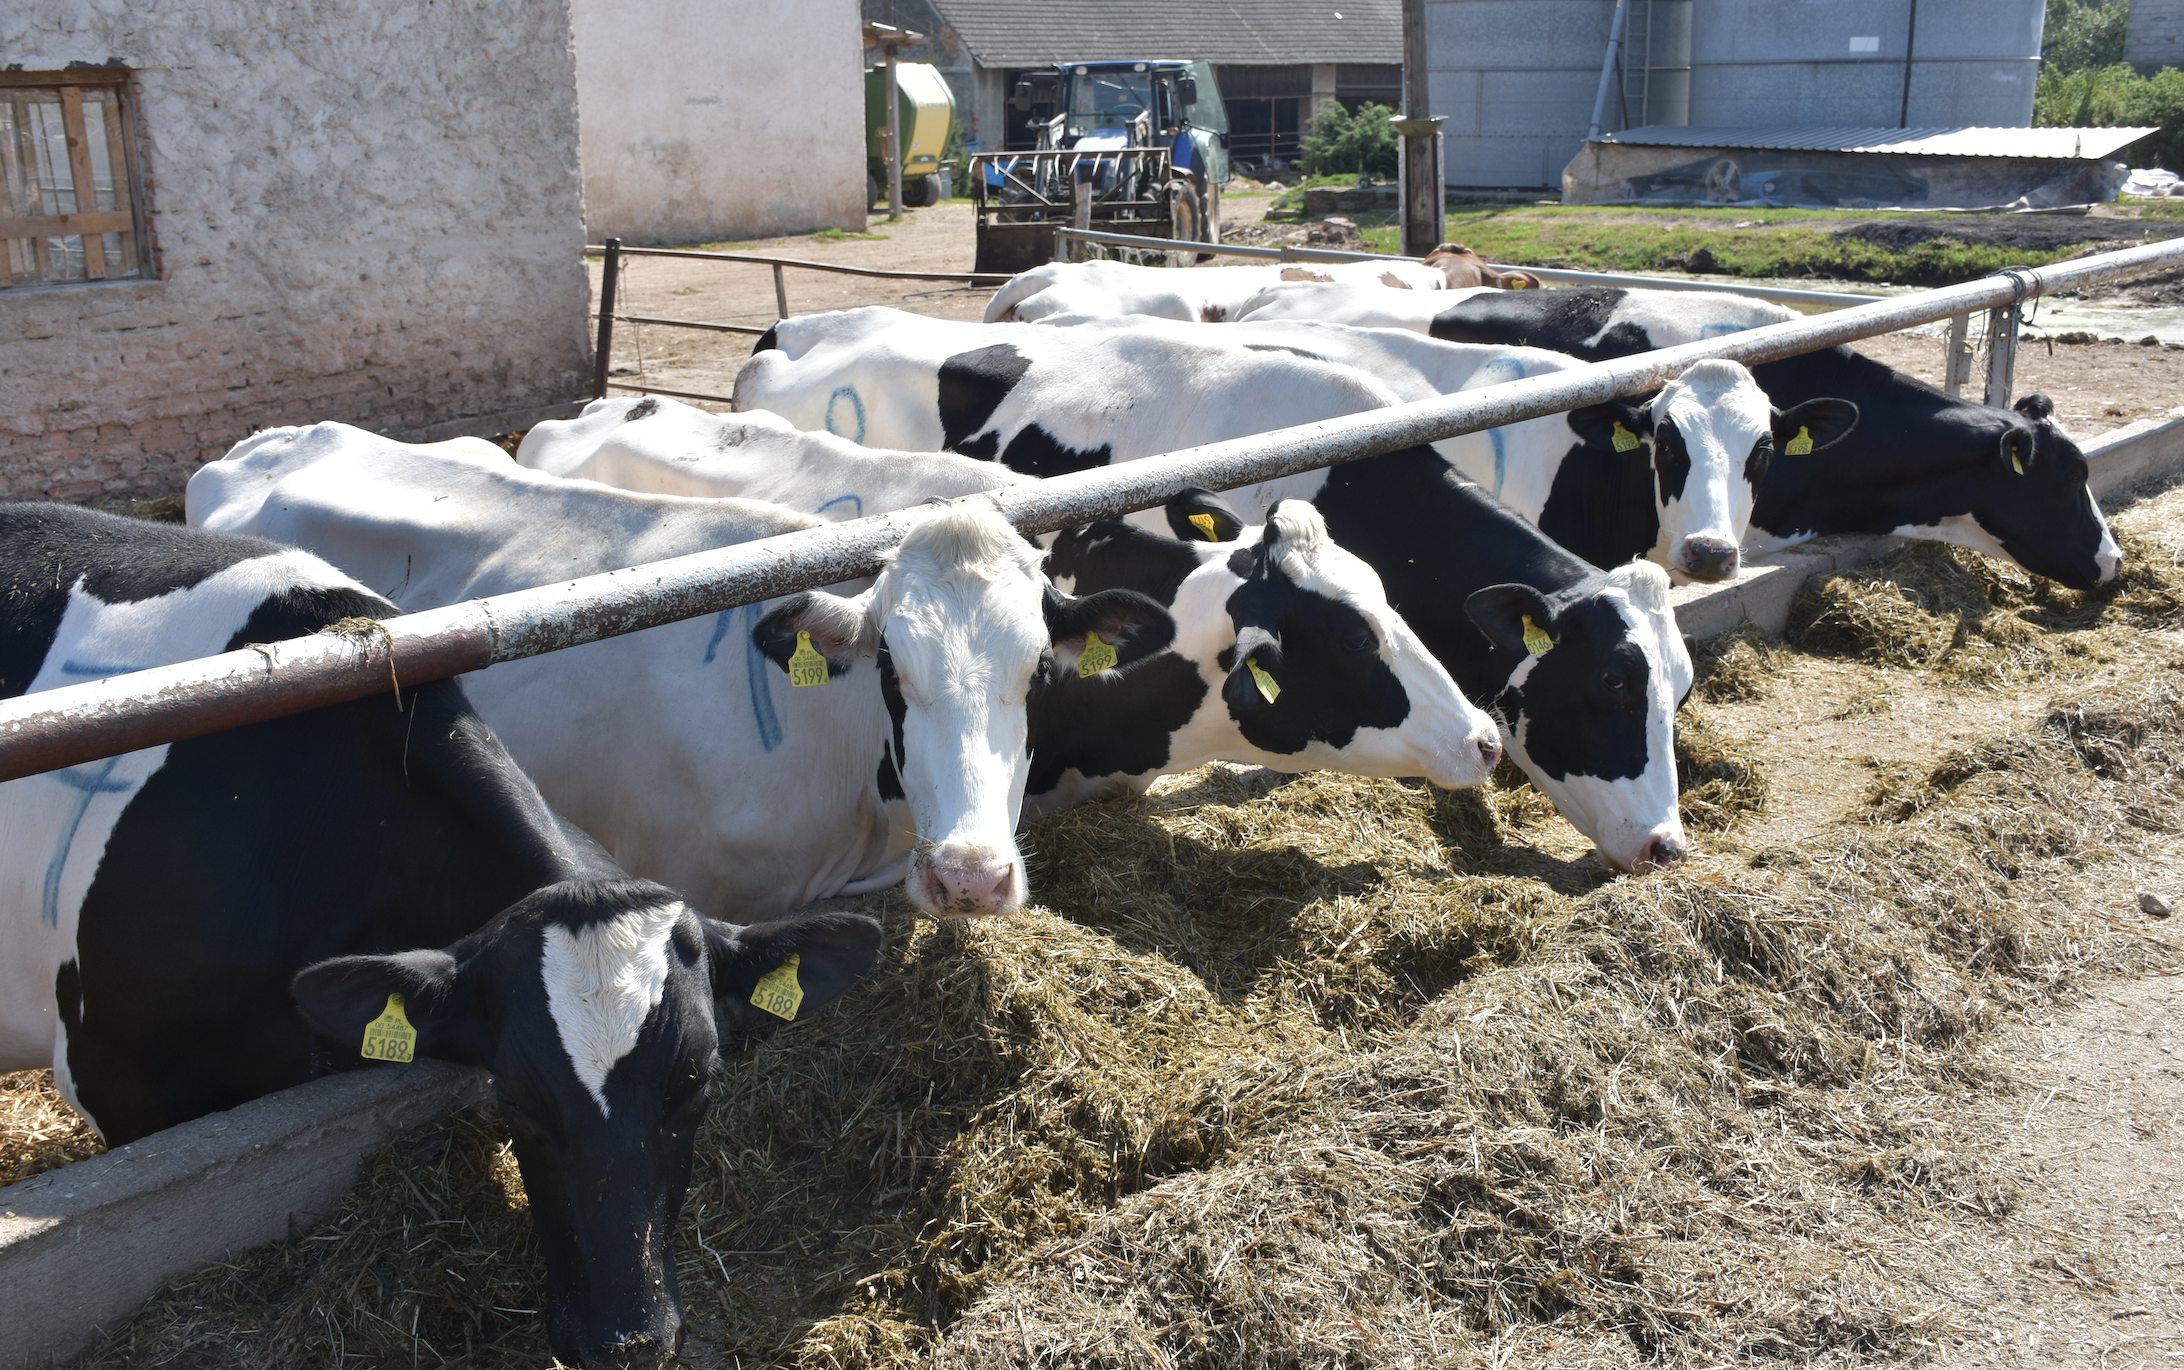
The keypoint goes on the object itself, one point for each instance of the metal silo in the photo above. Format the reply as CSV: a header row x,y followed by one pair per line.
x,y
1864,63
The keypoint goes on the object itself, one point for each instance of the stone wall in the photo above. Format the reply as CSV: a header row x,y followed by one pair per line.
x,y
713,120
365,210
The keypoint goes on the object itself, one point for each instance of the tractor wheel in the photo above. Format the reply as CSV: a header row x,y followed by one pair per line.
x,y
1187,220
926,194
871,190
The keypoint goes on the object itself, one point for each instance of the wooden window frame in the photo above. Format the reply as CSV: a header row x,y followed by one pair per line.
x,y
131,224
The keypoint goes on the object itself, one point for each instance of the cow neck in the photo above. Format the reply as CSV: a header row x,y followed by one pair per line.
x,y
1435,539
1118,722
1908,433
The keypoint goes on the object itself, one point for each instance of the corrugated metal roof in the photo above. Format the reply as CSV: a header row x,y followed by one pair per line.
x,y
1924,142
1022,33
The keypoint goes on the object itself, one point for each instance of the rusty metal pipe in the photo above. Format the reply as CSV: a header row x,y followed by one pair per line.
x,y
104,718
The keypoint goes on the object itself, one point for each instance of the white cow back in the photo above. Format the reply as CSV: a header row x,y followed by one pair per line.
x,y
682,749
1207,294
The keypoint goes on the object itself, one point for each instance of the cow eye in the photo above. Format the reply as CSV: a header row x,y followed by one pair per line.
x,y
1361,641
1614,681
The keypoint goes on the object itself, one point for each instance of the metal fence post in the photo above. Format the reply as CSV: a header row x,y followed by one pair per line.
x,y
1957,364
2001,354
780,294
606,317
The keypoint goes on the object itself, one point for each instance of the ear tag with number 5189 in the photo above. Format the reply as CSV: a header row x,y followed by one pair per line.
x,y
389,1037
777,992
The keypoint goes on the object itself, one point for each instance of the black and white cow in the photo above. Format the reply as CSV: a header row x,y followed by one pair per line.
x,y
1363,696
1673,479
1202,295
687,749
1597,706
190,926
2007,482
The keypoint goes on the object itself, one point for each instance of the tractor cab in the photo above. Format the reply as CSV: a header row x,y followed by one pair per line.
x,y
1138,148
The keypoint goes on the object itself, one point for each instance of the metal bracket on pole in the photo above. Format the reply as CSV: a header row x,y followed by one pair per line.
x,y
1957,361
2001,354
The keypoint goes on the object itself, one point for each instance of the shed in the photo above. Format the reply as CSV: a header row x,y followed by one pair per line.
x,y
1277,61
1851,168
221,217
710,120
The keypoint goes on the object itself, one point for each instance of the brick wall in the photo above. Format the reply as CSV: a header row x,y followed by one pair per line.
x,y
362,212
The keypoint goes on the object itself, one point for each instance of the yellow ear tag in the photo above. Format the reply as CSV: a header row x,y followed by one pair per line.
x,y
2015,464
389,1037
1625,440
1801,445
1264,681
777,992
806,666
1097,656
1204,524
1536,640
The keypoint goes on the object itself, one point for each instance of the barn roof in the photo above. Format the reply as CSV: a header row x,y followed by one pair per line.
x,y
1019,33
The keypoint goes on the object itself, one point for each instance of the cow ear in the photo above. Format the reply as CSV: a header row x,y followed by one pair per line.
x,y
2039,408
832,951
1515,618
1613,425
1135,625
841,629
1198,515
1255,684
340,997
1803,429
2018,447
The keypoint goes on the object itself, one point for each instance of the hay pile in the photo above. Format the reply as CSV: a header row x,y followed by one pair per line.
x,y
38,1132
1966,618
1337,1071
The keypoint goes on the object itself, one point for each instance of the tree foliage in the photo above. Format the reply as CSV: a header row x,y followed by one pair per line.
x,y
2084,82
2083,35
1340,141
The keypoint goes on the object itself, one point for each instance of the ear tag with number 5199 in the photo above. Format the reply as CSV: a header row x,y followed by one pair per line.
x,y
1097,656
806,666
1625,440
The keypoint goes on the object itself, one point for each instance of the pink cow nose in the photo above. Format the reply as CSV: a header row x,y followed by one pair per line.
x,y
1710,559
1662,851
970,888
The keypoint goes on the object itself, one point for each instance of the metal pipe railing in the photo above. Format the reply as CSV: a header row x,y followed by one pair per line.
x,y
1830,298
103,718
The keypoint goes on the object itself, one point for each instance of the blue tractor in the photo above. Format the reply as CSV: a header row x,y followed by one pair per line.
x,y
1133,147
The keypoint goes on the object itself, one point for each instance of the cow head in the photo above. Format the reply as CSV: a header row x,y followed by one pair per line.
x,y
1589,708
599,1007
961,625
1320,669
1464,268
2029,502
1714,435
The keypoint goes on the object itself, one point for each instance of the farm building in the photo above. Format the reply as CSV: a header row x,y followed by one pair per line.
x,y
704,122
1277,63
1518,79
222,217
2154,37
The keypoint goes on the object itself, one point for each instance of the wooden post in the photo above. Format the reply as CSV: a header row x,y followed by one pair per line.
x,y
607,274
79,166
894,140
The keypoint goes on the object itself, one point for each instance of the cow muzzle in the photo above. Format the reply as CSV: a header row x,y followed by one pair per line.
x,y
955,880
1708,559
1661,850
641,1352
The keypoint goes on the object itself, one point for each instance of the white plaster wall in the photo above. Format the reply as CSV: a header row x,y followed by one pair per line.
x,y
707,120
366,210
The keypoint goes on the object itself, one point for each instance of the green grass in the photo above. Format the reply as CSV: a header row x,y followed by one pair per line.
x,y
836,235
1292,199
1777,243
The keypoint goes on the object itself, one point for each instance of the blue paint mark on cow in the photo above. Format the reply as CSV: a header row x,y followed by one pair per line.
x,y
1494,373
720,630
96,670
857,500
88,782
759,671
847,392
1715,330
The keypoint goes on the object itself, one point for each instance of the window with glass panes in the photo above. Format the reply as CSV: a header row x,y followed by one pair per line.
x,y
71,199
